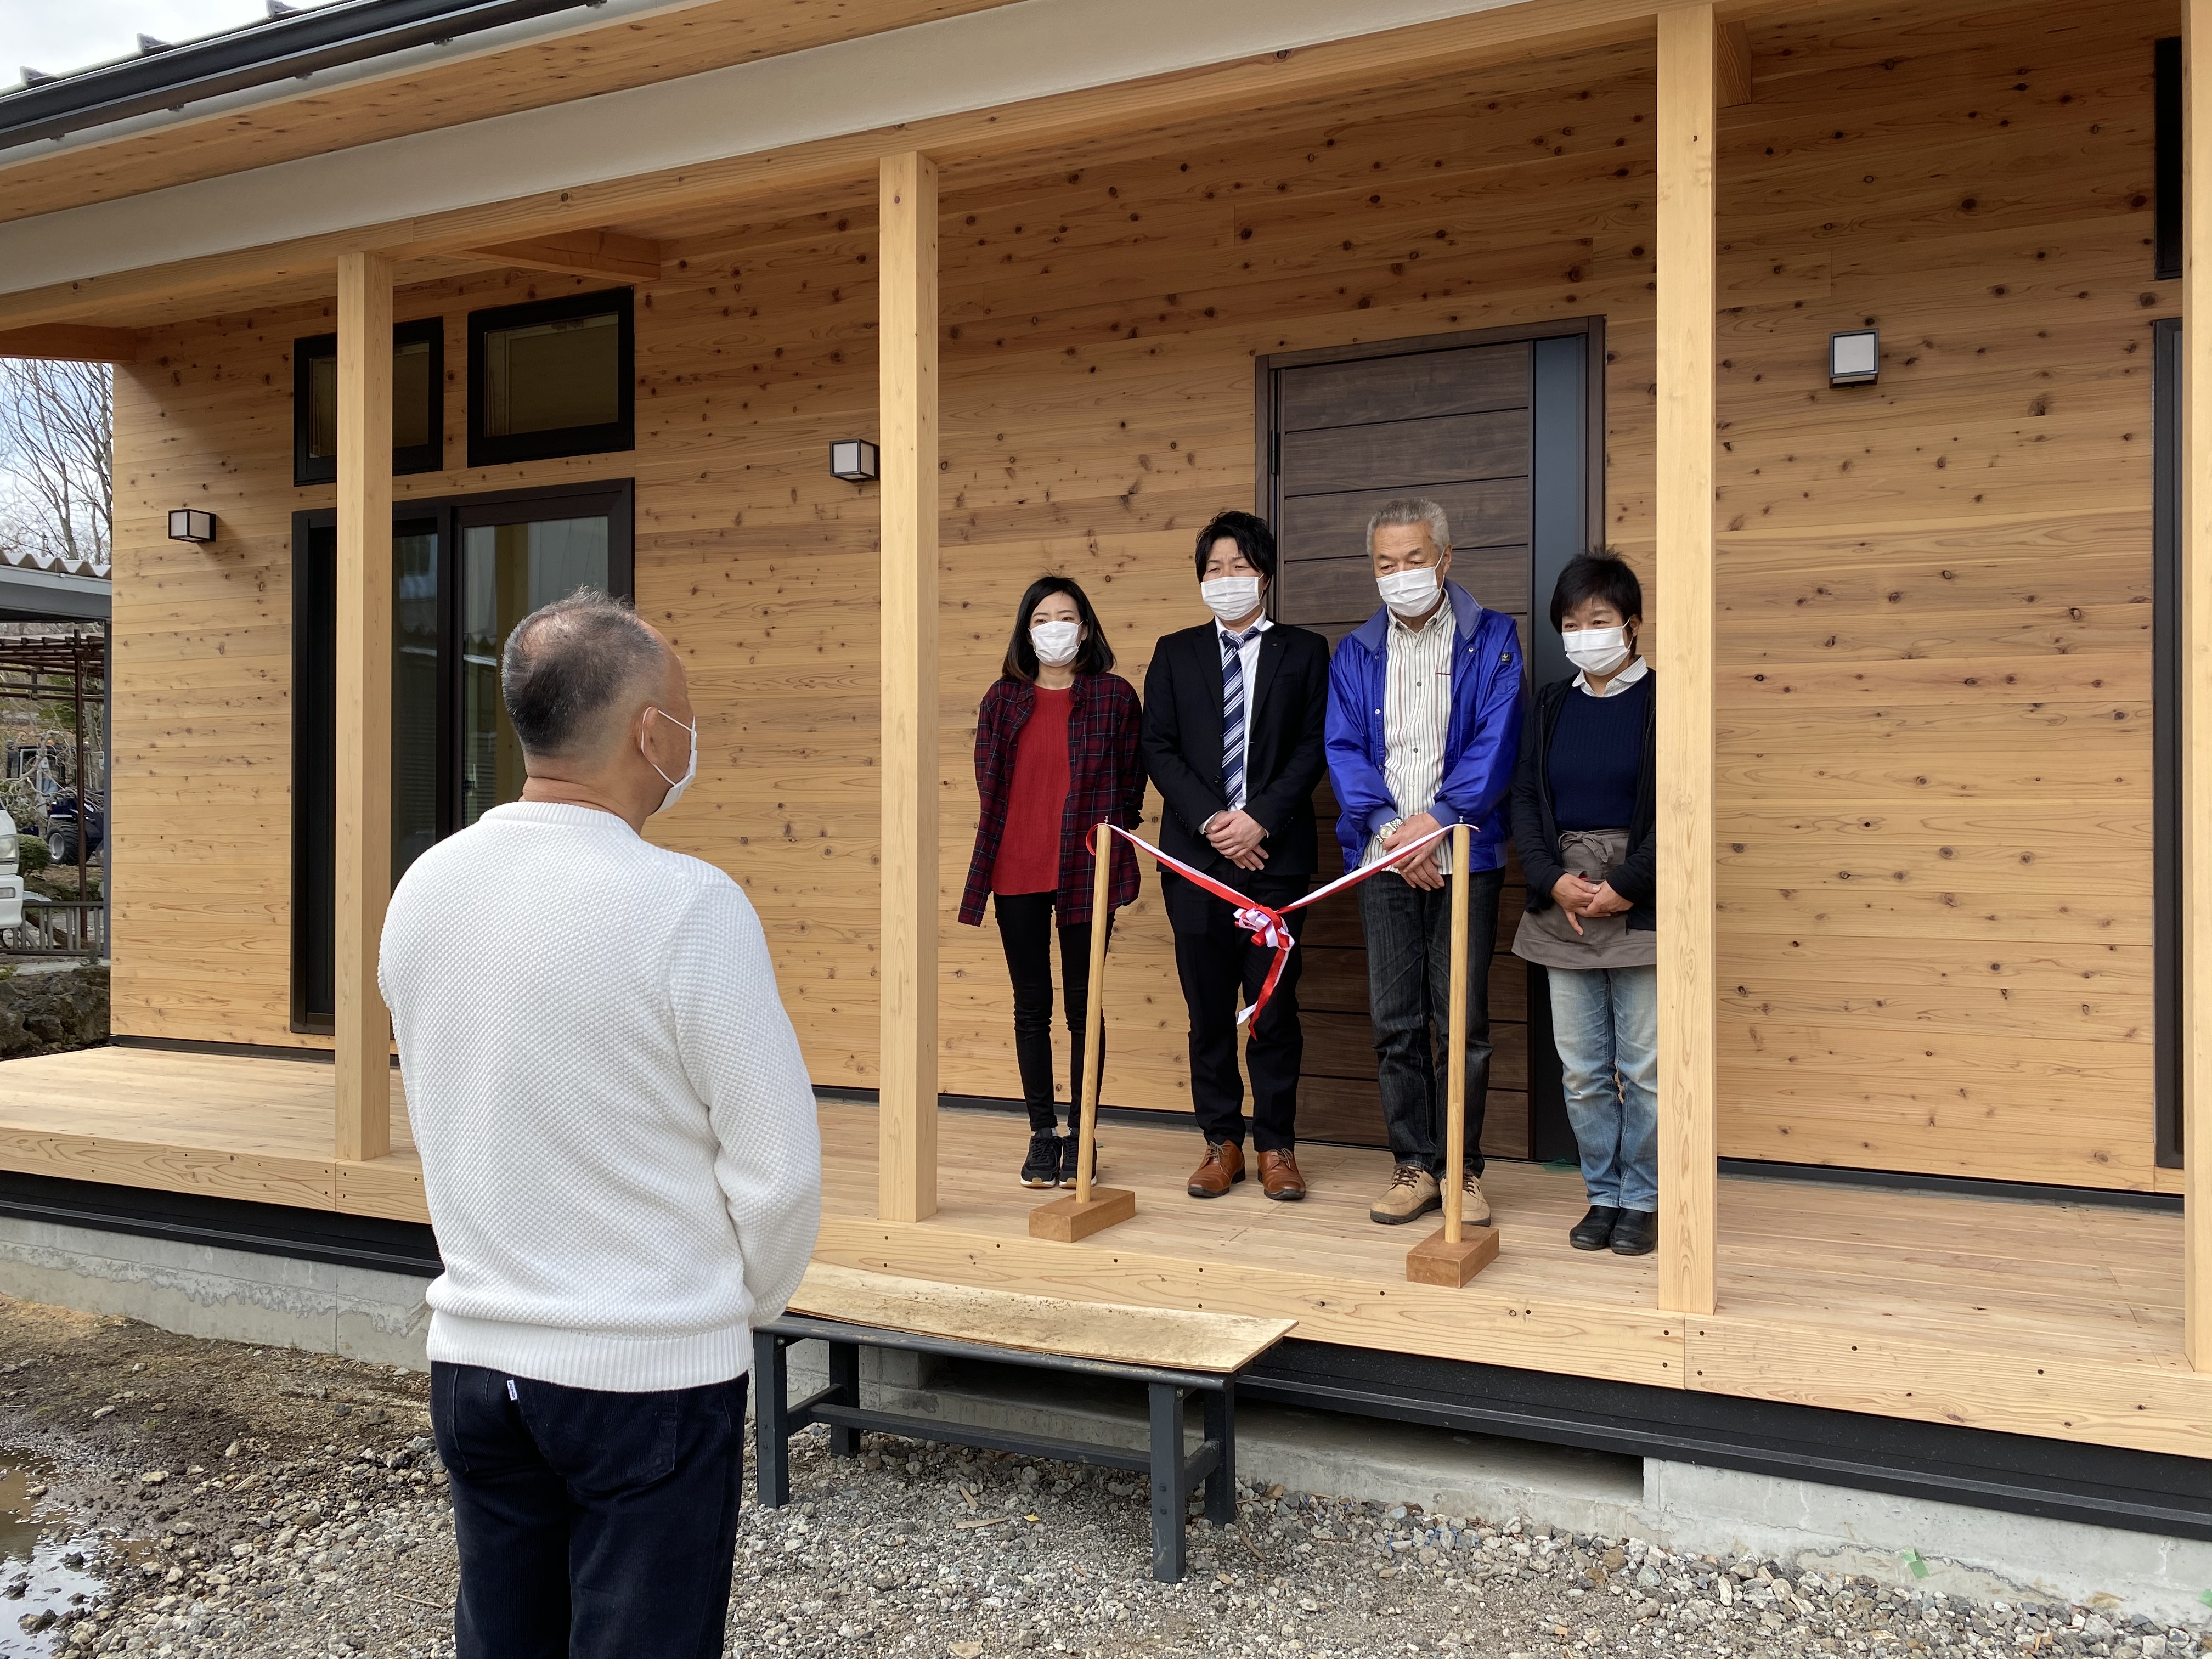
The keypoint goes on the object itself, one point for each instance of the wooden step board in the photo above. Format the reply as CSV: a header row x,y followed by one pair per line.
x,y
1172,1339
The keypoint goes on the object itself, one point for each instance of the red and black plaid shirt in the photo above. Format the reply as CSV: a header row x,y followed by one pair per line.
x,y
1105,785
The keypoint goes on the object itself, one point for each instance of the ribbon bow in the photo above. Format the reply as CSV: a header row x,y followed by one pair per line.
x,y
1269,927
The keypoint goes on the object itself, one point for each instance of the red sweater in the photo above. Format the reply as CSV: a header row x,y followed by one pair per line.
x,y
1037,801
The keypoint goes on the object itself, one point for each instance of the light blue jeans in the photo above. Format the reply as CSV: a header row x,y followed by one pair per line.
x,y
1605,1022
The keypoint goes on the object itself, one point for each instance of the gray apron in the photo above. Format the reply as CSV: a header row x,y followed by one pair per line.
x,y
1547,937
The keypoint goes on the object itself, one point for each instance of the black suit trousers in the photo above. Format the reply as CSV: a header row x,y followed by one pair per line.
x,y
1215,963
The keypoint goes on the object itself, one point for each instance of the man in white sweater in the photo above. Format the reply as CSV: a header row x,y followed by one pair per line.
x,y
620,1153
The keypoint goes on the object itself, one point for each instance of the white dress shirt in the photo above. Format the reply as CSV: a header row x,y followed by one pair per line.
x,y
1619,684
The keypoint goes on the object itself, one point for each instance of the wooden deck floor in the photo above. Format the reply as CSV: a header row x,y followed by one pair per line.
x,y
2043,1318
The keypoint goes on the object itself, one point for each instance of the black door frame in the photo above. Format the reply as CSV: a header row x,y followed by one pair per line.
x,y
1566,501
2165,696
313,931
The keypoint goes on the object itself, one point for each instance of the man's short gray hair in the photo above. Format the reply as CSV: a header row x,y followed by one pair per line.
x,y
567,665
1411,509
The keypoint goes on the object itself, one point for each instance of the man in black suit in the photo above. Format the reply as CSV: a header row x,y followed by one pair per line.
x,y
1234,712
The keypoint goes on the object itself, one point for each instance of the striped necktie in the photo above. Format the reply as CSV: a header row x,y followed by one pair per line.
x,y
1232,715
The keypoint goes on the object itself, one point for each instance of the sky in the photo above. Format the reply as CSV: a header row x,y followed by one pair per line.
x,y
57,36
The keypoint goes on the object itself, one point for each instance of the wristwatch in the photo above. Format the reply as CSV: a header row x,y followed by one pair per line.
x,y
1391,828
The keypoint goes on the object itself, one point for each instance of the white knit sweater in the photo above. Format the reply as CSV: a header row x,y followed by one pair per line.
x,y
618,1135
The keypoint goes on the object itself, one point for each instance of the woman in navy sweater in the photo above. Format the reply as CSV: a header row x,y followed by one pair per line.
x,y
1584,807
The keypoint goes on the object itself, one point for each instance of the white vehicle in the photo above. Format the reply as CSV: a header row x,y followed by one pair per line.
x,y
11,879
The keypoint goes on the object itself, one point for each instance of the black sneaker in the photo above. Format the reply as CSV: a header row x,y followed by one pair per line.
x,y
1595,1230
1069,1155
1041,1167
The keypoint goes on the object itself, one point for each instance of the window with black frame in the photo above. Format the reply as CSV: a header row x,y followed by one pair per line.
x,y
418,379
464,572
551,377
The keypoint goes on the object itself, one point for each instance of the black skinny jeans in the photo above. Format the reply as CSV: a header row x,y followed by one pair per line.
x,y
1025,929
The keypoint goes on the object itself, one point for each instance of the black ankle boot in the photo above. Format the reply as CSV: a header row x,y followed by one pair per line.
x,y
1637,1233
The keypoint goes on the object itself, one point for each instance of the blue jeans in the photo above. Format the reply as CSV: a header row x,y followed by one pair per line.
x,y
1409,975
590,1525
1606,1024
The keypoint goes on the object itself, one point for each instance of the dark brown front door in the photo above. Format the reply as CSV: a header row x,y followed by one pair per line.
x,y
1473,423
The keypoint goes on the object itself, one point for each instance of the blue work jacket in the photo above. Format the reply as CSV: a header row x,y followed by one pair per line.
x,y
1482,740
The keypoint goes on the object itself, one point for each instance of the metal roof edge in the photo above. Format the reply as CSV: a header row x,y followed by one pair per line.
x,y
255,55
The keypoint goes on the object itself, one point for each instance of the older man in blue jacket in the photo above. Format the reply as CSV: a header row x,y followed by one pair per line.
x,y
1425,709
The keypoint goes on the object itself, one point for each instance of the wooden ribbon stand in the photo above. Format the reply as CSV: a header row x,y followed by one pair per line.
x,y
1093,1209
1447,1258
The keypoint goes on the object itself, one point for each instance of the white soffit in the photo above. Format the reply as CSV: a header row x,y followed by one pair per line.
x,y
1032,49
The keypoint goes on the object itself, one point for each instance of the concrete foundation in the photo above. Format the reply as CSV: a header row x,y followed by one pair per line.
x,y
1984,1554
234,1296
1981,1554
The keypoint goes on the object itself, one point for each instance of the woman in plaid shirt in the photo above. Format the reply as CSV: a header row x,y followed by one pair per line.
x,y
1055,755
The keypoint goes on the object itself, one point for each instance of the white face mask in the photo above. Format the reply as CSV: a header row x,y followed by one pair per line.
x,y
676,786
1231,598
1056,642
1409,593
1596,650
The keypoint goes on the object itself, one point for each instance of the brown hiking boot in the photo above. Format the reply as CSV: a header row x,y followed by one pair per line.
x,y
1280,1177
1413,1193
1474,1207
1223,1169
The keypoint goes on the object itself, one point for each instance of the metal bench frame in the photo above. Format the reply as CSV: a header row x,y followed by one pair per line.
x,y
1174,1474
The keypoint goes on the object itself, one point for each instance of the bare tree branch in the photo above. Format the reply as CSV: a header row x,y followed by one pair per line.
x,y
57,454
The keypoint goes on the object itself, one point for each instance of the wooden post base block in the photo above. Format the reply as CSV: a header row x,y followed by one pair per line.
x,y
1433,1261
1066,1219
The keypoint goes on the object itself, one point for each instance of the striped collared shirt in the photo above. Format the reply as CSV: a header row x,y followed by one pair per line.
x,y
1416,718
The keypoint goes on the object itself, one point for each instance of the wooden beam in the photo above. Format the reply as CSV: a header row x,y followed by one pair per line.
x,y
71,343
364,700
1732,62
581,254
1686,296
907,969
2195,998
1509,34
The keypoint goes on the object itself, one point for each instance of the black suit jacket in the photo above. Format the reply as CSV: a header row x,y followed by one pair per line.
x,y
1286,715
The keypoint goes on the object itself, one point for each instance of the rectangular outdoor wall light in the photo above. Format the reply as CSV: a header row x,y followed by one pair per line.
x,y
1855,357
188,524
853,459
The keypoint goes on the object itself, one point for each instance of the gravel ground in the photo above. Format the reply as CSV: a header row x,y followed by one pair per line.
x,y
208,1499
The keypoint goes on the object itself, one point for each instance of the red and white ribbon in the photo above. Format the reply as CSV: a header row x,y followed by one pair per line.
x,y
1270,927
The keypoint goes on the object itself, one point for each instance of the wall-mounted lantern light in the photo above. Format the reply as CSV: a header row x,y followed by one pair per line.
x,y
188,524
1855,357
853,459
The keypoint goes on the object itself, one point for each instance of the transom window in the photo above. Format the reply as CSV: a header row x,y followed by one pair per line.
x,y
551,379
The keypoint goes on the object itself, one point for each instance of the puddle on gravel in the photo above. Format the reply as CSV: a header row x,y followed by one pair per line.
x,y
38,1538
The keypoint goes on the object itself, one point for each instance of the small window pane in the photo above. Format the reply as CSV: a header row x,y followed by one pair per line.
x,y
547,376
323,408
412,399
509,570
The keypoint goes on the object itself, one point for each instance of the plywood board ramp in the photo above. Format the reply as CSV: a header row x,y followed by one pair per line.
x,y
1173,1338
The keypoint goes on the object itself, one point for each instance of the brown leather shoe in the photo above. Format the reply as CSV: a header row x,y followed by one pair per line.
x,y
1223,1169
1280,1177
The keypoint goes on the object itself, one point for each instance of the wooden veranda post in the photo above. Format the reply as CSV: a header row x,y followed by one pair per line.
x,y
1091,1209
1447,1257
363,665
2195,1000
1687,1142
907,1117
